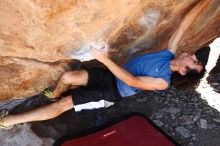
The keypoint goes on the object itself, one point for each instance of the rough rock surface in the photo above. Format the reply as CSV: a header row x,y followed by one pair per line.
x,y
53,30
22,135
25,77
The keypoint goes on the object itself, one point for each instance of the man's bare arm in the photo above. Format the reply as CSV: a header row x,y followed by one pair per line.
x,y
187,21
142,82
150,83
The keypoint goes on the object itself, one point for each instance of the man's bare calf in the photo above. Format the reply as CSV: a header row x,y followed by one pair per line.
x,y
42,113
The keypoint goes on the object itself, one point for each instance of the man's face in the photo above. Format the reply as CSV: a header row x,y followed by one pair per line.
x,y
188,62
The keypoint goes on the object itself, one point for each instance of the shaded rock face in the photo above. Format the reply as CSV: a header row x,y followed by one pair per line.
x,y
37,32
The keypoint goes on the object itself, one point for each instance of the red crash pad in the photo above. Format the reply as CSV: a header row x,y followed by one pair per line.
x,y
133,131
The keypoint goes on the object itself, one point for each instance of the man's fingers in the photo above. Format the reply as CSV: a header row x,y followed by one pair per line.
x,y
100,45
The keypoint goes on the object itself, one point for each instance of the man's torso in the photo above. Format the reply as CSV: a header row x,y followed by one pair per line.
x,y
155,65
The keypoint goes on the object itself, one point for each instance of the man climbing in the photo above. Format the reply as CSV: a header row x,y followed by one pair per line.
x,y
97,87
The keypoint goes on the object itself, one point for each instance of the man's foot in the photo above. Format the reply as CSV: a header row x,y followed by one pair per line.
x,y
2,125
49,94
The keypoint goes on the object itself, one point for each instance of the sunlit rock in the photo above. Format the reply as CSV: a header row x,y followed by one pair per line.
x,y
42,31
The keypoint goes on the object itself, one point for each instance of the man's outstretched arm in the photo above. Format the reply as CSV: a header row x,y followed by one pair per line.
x,y
142,82
187,21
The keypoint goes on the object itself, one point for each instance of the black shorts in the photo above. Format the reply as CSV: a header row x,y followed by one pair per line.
x,y
101,86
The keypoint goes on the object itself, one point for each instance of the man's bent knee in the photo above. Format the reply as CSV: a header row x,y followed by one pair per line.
x,y
65,78
77,77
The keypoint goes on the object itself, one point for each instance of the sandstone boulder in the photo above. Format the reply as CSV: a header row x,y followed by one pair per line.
x,y
35,34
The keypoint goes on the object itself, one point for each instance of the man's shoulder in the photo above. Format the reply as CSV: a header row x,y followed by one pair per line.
x,y
165,53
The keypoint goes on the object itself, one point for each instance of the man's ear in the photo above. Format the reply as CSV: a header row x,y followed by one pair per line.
x,y
194,57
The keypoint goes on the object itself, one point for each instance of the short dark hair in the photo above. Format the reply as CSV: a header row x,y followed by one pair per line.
x,y
202,55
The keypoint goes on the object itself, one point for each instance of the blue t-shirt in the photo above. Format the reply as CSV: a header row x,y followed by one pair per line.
x,y
155,65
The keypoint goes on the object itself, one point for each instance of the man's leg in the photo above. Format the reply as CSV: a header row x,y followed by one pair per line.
x,y
42,113
72,79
